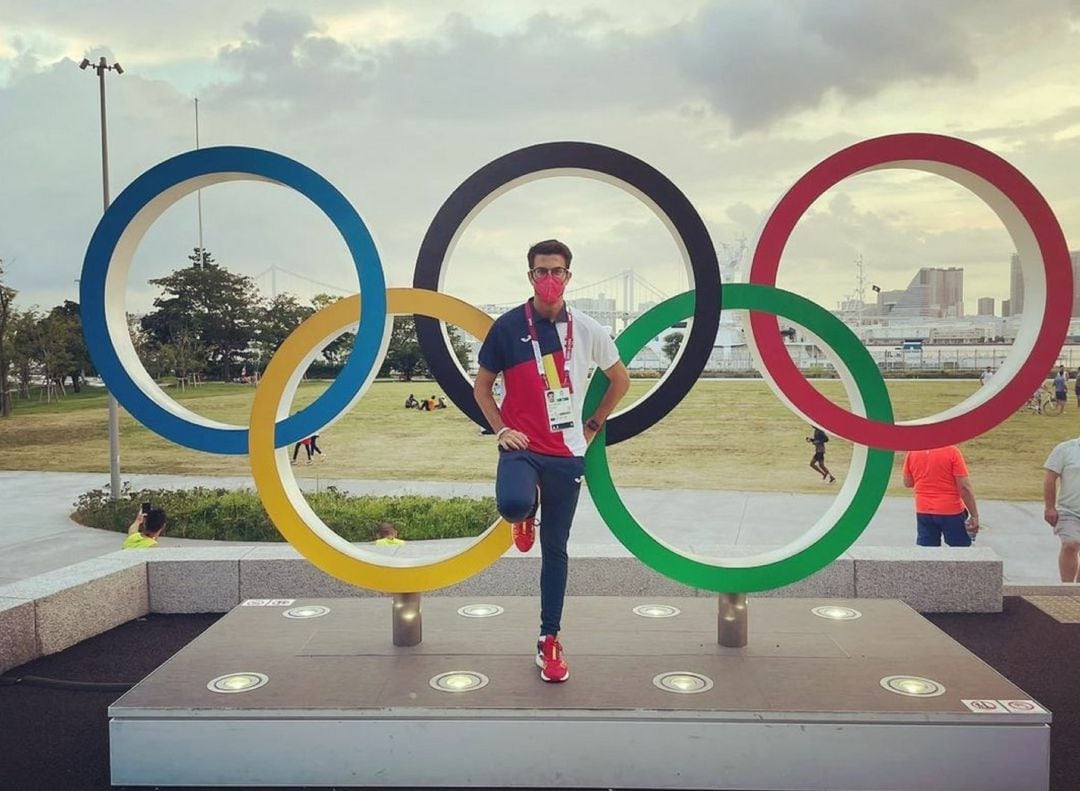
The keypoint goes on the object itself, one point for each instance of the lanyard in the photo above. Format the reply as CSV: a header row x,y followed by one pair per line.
x,y
568,351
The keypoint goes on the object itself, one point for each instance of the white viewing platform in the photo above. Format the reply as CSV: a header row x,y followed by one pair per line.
x,y
803,706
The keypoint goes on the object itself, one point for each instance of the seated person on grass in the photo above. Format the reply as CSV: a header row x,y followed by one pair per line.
x,y
145,530
386,535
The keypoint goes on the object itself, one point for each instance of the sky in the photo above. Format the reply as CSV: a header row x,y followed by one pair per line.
x,y
397,103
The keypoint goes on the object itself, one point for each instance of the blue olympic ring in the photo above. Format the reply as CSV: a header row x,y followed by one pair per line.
x,y
144,200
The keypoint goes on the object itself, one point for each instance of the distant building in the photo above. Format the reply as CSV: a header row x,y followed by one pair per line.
x,y
601,308
932,293
1016,286
986,306
1006,308
1074,256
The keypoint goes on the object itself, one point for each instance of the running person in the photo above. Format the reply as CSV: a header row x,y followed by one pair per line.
x,y
817,463
545,351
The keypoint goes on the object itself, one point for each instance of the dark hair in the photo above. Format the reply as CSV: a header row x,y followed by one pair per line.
x,y
386,530
550,247
155,521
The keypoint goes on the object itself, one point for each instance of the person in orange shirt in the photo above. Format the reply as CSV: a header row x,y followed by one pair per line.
x,y
944,499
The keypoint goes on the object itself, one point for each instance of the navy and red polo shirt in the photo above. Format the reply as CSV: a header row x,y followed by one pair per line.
x,y
508,350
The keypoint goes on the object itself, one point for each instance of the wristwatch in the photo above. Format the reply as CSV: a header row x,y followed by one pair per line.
x,y
592,424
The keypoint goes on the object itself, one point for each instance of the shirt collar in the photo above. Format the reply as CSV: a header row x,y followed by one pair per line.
x,y
560,318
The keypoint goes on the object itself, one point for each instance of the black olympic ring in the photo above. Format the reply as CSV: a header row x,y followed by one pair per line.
x,y
590,160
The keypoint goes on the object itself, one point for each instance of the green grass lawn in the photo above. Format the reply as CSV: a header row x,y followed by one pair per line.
x,y
730,434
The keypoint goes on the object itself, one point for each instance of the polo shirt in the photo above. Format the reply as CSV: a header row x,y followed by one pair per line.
x,y
935,472
1064,459
508,350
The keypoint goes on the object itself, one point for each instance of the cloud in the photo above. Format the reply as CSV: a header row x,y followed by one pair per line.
x,y
760,62
733,101
285,59
752,63
462,72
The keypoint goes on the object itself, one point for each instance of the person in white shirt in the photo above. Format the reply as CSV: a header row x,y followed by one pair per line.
x,y
1061,498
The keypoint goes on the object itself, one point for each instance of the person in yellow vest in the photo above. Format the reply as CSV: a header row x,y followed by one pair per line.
x,y
386,536
145,530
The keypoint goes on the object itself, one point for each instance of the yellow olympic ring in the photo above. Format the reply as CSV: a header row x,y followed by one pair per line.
x,y
276,484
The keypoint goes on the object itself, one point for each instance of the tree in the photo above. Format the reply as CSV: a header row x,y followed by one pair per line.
x,y
337,351
460,346
7,298
275,320
64,328
403,354
24,334
404,357
184,356
215,305
59,339
672,342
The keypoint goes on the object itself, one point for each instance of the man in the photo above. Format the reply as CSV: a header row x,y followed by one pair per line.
x,y
984,379
144,532
1062,506
1061,387
942,493
545,350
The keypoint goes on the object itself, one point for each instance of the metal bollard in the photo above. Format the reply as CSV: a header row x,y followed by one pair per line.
x,y
408,623
731,620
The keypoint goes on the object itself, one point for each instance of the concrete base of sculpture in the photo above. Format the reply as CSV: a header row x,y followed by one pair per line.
x,y
802,706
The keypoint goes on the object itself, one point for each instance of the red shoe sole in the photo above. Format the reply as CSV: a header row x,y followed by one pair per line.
x,y
524,543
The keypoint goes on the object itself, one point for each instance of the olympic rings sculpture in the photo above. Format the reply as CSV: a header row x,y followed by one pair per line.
x,y
870,426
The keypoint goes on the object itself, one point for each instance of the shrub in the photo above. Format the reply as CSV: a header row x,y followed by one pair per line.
x,y
238,515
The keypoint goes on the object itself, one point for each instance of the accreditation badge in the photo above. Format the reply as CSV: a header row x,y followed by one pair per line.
x,y
560,409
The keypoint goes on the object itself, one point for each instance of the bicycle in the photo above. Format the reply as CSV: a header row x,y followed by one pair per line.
x,y
1043,403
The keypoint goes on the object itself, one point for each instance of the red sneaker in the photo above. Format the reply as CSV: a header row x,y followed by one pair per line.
x,y
525,534
549,657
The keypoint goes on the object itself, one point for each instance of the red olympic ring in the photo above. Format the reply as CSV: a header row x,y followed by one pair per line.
x,y
1038,238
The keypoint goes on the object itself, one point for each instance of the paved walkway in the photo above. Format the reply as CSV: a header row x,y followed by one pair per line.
x,y
37,535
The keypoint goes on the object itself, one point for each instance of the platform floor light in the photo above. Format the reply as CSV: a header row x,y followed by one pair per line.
x,y
459,681
238,682
913,686
836,613
682,682
480,610
656,611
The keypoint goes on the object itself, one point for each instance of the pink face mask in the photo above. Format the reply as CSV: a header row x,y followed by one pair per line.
x,y
549,289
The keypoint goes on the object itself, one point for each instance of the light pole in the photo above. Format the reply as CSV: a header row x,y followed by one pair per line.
x,y
114,409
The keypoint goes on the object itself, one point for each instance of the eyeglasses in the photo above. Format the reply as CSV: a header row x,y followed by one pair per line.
x,y
557,272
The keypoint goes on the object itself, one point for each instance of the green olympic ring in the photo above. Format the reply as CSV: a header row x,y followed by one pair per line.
x,y
864,489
